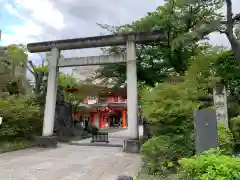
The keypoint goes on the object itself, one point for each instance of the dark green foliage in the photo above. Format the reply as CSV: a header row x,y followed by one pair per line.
x,y
161,153
235,127
209,69
169,108
225,138
229,70
91,128
171,117
210,165
21,118
157,60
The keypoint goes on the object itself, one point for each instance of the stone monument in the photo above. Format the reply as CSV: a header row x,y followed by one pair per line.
x,y
220,103
206,132
63,123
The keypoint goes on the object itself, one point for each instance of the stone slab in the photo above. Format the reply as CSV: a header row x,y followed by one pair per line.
x,y
96,144
125,178
206,131
131,146
46,141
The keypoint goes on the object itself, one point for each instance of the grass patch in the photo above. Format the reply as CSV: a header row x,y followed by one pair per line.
x,y
6,146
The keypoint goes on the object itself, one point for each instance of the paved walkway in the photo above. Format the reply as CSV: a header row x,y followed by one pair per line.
x,y
69,162
115,139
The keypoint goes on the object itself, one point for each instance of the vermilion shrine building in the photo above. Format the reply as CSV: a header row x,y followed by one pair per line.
x,y
106,109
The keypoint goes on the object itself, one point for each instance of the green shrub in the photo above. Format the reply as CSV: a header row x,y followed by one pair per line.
x,y
225,138
169,110
235,127
20,118
171,122
158,152
210,165
163,152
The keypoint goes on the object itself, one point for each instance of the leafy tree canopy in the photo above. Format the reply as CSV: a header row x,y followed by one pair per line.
x,y
212,20
157,60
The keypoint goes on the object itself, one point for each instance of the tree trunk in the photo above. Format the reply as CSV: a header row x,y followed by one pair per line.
x,y
235,45
236,51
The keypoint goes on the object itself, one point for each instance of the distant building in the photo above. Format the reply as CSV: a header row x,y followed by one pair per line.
x,y
87,74
106,109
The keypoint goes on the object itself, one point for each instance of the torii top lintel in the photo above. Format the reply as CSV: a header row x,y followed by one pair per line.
x,y
97,41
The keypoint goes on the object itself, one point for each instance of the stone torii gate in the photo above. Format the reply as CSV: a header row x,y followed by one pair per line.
x,y
55,61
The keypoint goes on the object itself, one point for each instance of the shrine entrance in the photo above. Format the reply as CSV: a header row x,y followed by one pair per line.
x,y
55,62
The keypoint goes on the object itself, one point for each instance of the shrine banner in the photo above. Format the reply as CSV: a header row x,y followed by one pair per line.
x,y
91,99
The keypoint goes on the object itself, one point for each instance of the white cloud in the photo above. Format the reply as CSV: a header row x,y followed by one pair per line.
x,y
29,31
13,11
60,19
42,11
36,16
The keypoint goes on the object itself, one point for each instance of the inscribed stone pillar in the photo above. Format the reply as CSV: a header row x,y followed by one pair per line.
x,y
220,103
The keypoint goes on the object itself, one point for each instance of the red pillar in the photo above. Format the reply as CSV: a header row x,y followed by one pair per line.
x,y
124,124
75,116
93,118
101,120
104,120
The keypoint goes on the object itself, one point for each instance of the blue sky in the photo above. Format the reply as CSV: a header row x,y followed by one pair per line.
x,y
7,19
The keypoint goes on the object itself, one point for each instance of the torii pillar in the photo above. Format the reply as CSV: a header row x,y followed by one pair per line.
x,y
132,101
50,105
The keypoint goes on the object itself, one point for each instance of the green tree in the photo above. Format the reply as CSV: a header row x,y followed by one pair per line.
x,y
5,69
228,69
213,68
157,60
17,80
70,88
40,77
213,21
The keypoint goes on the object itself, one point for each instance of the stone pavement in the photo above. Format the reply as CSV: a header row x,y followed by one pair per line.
x,y
69,162
115,139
